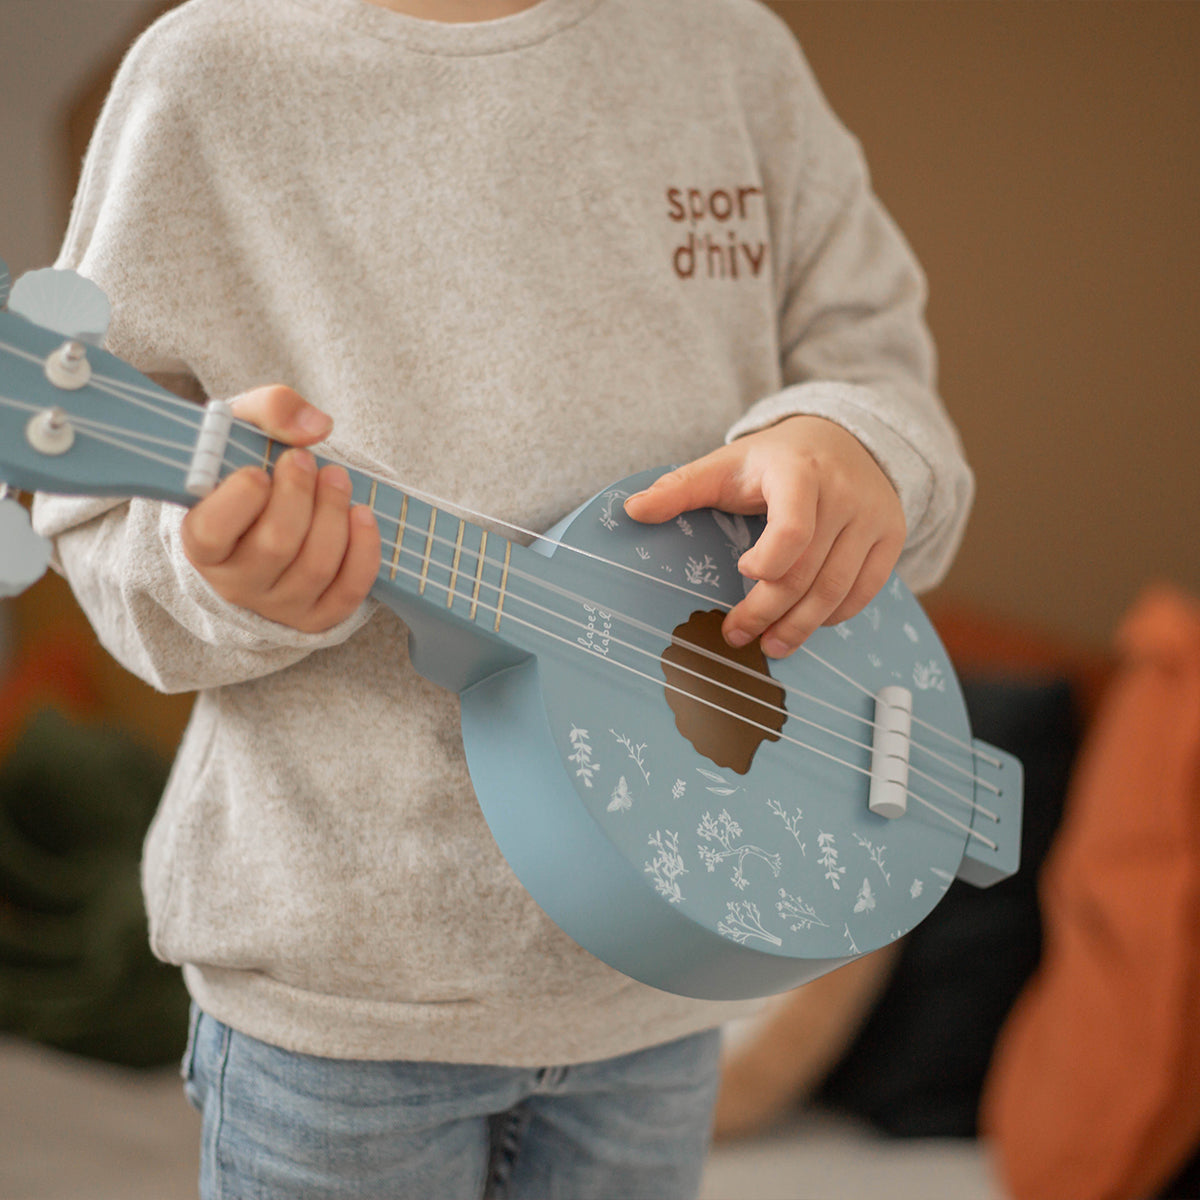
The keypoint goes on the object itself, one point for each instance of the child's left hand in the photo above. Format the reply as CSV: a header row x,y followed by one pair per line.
x,y
835,525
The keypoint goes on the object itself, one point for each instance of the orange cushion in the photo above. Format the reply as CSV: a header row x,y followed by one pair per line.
x,y
1094,1089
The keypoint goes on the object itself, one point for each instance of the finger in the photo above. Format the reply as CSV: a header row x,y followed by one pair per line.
x,y
834,582
709,482
282,414
270,546
359,569
212,529
876,571
319,558
789,533
770,599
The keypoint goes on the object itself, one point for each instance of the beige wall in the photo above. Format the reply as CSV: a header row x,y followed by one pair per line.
x,y
1044,161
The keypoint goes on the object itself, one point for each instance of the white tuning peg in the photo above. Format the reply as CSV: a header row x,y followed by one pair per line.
x,y
24,555
62,301
68,366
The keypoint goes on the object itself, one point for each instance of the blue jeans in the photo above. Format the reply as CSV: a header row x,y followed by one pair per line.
x,y
285,1126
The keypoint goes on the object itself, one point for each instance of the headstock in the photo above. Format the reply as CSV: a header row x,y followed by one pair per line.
x,y
74,418
62,302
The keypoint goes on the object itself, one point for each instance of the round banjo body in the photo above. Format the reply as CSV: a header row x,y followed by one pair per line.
x,y
701,838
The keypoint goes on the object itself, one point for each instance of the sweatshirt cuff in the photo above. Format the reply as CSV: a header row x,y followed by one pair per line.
x,y
856,409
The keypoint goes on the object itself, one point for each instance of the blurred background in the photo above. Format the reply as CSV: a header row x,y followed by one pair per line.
x,y
1043,159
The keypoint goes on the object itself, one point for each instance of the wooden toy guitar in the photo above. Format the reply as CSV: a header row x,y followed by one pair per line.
x,y
703,820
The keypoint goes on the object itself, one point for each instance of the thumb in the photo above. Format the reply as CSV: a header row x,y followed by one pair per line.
x,y
704,483
282,414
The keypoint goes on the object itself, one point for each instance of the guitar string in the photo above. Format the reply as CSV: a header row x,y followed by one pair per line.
x,y
704,652
131,389
442,502
122,389
113,435
127,391
575,647
711,655
452,506
93,428
653,654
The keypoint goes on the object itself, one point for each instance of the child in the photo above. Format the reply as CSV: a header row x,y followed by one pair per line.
x,y
517,251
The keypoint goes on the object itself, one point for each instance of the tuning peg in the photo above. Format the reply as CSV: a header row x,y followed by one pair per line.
x,y
62,301
68,366
24,555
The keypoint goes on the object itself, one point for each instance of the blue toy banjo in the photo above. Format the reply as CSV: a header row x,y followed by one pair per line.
x,y
703,820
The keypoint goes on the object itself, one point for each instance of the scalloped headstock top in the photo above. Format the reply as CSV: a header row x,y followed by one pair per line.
x,y
61,301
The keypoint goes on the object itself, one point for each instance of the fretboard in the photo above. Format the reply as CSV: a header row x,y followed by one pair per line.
x,y
450,565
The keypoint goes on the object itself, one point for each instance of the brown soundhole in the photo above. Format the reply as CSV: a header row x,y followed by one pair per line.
x,y
720,709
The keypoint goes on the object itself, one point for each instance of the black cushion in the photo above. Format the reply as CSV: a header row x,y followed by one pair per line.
x,y
76,970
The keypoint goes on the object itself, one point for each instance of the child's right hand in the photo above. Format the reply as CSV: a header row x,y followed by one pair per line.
x,y
288,546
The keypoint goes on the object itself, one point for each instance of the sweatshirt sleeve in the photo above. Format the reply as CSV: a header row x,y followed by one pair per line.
x,y
854,345
139,228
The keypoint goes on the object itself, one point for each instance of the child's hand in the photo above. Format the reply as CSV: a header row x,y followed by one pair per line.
x,y
835,526
287,546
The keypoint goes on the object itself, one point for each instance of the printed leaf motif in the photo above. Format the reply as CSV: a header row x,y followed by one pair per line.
x,y
743,921
792,823
829,860
917,888
705,572
684,527
928,676
875,853
677,789
606,513
635,752
725,831
800,915
667,865
582,757
720,785
734,527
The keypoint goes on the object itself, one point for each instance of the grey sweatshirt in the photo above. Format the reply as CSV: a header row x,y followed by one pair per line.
x,y
516,261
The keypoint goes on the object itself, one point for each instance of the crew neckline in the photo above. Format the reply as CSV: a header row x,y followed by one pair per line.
x,y
495,36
